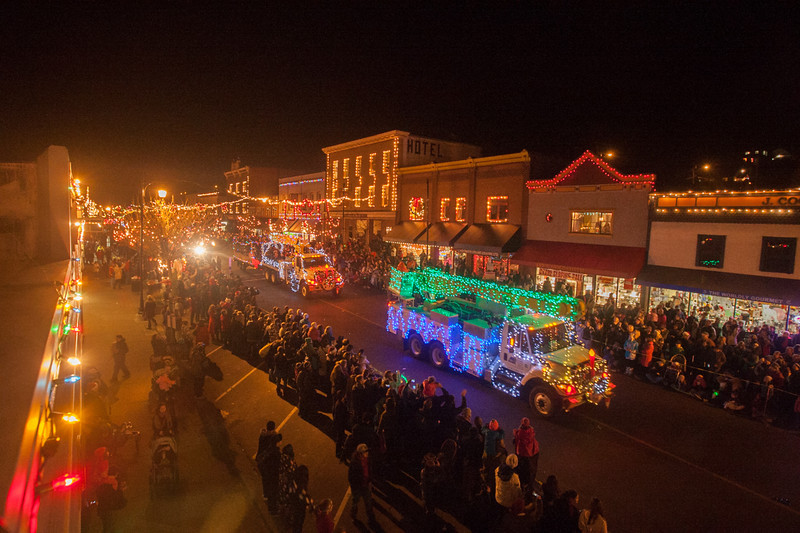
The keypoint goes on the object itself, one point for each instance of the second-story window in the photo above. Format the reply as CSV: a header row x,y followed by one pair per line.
x,y
416,208
461,209
444,209
597,222
497,209
710,251
777,254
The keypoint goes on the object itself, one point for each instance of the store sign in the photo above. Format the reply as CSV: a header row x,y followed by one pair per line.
x,y
725,294
560,274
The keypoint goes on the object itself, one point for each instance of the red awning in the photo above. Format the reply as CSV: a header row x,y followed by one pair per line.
x,y
618,261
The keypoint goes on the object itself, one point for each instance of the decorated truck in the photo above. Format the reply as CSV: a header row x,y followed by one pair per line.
x,y
522,342
284,259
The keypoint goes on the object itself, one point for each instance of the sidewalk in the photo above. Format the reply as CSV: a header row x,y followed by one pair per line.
x,y
214,492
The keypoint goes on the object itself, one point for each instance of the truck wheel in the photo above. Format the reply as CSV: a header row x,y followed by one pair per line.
x,y
438,355
304,290
543,402
416,345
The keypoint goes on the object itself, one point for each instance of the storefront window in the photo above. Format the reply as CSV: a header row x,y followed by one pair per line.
x,y
668,298
712,307
490,268
794,319
599,222
752,312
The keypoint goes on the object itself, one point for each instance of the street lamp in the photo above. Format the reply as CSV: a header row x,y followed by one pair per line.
x,y
161,194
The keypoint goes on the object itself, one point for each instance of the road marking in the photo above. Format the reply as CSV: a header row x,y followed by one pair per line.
x,y
698,467
235,384
382,326
291,413
341,508
214,350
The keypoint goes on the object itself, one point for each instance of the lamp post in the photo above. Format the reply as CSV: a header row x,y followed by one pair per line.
x,y
161,194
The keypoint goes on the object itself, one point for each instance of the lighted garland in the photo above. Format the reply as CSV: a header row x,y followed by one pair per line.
x,y
434,284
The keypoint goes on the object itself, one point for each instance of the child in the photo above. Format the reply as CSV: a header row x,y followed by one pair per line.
x,y
324,519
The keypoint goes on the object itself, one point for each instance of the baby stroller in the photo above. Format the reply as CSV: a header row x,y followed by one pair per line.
x,y
164,470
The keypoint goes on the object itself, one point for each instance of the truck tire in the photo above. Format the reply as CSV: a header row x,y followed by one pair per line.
x,y
416,345
304,292
438,355
544,402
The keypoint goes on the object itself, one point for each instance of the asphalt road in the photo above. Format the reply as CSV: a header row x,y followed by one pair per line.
x,y
659,460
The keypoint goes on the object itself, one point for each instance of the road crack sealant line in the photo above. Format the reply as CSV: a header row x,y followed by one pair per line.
x,y
694,465
382,326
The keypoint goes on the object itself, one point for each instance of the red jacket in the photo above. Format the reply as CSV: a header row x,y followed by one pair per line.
x,y
525,441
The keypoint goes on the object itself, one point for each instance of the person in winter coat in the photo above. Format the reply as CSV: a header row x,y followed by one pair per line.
x,y
527,450
432,483
591,520
507,486
268,460
359,476
150,312
119,350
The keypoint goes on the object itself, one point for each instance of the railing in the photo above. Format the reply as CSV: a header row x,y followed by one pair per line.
x,y
45,489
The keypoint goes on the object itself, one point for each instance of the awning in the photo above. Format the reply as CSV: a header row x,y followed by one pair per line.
x,y
442,233
617,261
492,239
405,232
760,288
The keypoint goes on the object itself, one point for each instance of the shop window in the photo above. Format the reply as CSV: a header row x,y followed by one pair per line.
x,y
497,209
444,209
710,251
597,222
461,209
777,254
416,208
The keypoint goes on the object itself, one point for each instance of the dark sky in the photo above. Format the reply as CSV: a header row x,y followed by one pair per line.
x,y
173,91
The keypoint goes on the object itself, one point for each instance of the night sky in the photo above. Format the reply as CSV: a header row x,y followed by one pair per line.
x,y
174,91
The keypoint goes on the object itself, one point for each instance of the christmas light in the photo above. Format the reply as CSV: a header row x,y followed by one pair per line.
x,y
613,174
444,209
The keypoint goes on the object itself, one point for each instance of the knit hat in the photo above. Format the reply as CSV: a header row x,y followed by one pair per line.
x,y
494,425
362,448
512,461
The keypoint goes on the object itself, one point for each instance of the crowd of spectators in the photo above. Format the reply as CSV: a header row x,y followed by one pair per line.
x,y
750,369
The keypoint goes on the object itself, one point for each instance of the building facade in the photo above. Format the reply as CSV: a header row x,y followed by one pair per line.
x,y
727,254
302,203
587,231
34,208
361,175
256,187
469,213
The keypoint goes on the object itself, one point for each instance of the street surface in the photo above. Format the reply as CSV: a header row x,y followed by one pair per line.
x,y
659,460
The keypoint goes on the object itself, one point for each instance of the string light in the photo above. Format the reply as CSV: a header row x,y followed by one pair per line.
x,y
608,170
501,204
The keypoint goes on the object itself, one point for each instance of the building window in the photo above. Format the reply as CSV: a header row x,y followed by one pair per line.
x,y
497,209
461,209
444,210
710,251
416,208
600,222
777,254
